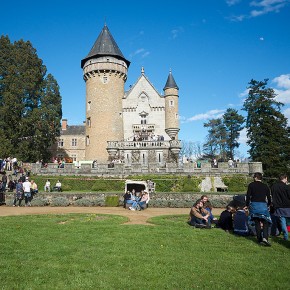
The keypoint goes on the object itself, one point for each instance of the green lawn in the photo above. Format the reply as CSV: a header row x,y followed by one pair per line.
x,y
88,251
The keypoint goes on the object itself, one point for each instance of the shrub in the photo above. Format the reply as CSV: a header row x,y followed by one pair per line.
x,y
83,202
99,202
112,200
59,201
238,183
38,201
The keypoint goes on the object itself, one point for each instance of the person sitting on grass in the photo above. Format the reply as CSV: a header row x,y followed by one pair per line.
x,y
241,222
199,216
225,221
208,206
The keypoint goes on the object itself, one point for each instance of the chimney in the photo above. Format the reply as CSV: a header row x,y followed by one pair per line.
x,y
63,124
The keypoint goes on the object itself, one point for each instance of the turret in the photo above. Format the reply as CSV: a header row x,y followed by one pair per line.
x,y
105,73
171,107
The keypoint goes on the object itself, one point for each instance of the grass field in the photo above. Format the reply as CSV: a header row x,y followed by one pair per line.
x,y
89,251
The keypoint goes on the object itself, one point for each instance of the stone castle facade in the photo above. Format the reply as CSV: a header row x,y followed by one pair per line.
x,y
138,126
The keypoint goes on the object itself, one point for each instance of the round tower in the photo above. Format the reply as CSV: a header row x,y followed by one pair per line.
x,y
105,73
171,108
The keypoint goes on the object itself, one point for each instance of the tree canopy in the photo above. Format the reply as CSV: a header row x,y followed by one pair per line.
x,y
30,103
223,134
267,131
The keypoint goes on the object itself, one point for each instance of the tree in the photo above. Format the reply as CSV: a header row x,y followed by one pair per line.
x,y
191,150
233,123
216,139
30,102
267,131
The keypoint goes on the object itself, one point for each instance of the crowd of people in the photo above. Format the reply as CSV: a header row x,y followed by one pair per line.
x,y
262,213
136,200
23,188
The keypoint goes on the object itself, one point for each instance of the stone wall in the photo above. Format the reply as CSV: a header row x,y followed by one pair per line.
x,y
176,200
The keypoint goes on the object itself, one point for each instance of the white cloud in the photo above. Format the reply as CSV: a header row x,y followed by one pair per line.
x,y
139,51
175,32
261,38
259,8
244,93
145,54
212,114
243,136
283,90
232,2
267,6
287,115
283,81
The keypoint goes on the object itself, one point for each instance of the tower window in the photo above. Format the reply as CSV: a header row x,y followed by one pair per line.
x,y
176,116
89,122
74,142
88,140
60,143
105,80
171,103
89,105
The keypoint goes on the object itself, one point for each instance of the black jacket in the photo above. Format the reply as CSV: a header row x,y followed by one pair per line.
x,y
281,195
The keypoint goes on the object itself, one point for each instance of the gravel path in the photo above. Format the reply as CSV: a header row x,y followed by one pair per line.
x,y
135,217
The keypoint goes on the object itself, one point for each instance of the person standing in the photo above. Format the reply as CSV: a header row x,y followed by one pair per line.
x,y
258,199
281,202
18,193
27,191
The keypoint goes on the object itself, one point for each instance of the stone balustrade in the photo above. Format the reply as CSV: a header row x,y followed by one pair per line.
x,y
121,169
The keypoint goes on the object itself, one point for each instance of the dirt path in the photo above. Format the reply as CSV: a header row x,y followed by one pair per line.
x,y
135,217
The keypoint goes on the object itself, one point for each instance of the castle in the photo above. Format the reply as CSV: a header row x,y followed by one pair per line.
x,y
138,126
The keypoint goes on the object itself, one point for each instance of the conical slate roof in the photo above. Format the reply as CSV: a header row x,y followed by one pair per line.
x,y
170,84
105,45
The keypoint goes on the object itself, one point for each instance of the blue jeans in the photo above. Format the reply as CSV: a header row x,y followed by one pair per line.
x,y
284,227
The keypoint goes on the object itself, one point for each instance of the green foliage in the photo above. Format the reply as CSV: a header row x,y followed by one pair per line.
x,y
188,184
236,183
112,200
168,183
267,131
223,134
233,123
30,103
59,201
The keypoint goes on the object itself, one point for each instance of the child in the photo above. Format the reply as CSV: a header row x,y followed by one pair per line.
x,y
225,221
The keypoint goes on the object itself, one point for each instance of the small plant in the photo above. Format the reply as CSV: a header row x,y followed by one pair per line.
x,y
38,201
60,201
83,202
112,200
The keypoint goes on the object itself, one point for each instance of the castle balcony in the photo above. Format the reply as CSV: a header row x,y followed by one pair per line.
x,y
134,145
144,127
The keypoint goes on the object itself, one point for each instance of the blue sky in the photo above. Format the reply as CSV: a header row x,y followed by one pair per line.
x,y
213,47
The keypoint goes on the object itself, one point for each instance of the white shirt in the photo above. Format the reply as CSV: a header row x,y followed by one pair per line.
x,y
26,186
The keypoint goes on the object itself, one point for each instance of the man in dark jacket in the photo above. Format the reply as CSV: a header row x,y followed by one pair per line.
x,y
258,199
281,202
